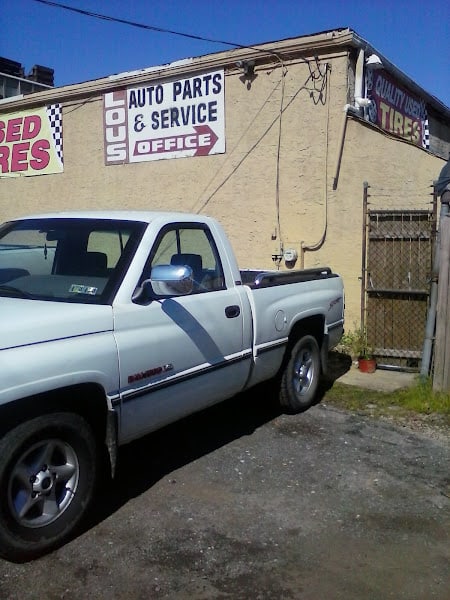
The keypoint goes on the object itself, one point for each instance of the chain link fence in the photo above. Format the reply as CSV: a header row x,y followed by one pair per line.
x,y
397,283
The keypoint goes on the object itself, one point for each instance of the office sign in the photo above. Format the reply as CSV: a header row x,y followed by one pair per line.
x,y
173,119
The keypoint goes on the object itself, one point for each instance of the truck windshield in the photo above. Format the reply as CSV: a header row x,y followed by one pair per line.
x,y
66,259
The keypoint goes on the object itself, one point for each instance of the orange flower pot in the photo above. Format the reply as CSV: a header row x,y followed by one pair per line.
x,y
367,365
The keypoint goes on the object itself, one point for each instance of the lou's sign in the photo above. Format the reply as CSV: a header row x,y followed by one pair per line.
x,y
171,119
31,142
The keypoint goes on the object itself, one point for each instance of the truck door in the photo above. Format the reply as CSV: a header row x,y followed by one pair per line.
x,y
180,354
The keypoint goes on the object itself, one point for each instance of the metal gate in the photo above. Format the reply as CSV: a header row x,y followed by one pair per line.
x,y
396,283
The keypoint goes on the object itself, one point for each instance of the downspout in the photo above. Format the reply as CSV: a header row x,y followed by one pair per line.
x,y
341,146
364,258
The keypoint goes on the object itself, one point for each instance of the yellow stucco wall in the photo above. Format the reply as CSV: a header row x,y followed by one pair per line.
x,y
240,187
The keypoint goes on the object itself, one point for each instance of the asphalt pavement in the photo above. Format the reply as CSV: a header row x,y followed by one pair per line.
x,y
243,502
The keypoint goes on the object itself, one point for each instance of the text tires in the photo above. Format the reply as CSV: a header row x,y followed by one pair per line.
x,y
300,378
48,469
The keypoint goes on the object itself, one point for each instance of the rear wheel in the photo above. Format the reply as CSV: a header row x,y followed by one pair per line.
x,y
48,469
300,378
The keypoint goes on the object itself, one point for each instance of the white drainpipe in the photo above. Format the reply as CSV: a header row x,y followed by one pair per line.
x,y
359,102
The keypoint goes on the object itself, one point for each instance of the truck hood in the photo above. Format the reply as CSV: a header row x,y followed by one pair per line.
x,y
24,322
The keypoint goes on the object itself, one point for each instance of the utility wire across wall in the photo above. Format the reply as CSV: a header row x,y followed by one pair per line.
x,y
316,246
244,133
304,86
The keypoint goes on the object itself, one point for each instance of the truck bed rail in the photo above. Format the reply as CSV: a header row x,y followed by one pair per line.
x,y
259,279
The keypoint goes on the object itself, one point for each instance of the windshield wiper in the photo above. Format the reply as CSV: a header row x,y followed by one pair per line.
x,y
13,291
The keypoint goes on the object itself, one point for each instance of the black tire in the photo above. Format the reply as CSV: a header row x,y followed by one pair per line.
x,y
300,378
48,470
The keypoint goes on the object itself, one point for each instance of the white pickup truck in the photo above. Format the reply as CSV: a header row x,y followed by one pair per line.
x,y
116,324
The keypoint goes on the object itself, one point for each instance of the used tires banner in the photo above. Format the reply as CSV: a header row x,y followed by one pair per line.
x,y
31,142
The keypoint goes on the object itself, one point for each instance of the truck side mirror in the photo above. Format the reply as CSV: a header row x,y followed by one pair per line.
x,y
165,281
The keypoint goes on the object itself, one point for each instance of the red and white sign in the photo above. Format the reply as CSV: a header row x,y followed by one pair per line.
x,y
31,142
174,119
395,109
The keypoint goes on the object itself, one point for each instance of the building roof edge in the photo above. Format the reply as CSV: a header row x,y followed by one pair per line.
x,y
339,38
361,43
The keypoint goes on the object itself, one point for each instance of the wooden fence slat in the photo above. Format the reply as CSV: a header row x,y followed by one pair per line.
x,y
441,376
446,377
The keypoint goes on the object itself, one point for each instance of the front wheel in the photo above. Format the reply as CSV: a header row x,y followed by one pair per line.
x,y
300,378
48,469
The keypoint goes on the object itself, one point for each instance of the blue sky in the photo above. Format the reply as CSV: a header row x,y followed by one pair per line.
x,y
414,35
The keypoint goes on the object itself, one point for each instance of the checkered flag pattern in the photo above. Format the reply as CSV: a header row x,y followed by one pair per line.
x,y
54,115
425,135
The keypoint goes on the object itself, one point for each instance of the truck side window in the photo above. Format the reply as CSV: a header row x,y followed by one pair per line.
x,y
194,247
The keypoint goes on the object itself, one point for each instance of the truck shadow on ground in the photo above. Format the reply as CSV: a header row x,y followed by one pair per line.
x,y
144,462
339,363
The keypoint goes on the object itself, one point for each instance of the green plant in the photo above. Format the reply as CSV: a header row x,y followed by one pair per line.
x,y
355,343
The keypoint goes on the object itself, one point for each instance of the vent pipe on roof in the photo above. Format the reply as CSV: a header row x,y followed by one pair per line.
x,y
359,74
360,102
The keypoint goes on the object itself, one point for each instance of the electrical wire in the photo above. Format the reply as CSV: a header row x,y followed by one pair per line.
x,y
319,244
258,141
277,184
144,26
89,13
229,153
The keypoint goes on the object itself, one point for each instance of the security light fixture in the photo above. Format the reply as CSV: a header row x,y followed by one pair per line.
x,y
247,67
374,62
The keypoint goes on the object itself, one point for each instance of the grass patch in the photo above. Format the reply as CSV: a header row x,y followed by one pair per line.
x,y
418,399
421,398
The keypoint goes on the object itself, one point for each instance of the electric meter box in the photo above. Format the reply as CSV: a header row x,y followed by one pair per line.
x,y
290,255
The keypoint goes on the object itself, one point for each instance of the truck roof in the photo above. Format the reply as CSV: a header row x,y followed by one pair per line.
x,y
122,215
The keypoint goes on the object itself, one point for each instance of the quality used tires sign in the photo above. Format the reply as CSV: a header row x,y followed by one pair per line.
x,y
174,119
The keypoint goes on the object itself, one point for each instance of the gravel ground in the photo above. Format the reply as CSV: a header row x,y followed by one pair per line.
x,y
243,502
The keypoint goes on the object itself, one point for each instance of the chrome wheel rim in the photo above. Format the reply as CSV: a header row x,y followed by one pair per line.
x,y
303,372
43,483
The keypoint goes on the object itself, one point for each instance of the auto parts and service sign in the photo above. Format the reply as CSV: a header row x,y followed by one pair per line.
x,y
171,119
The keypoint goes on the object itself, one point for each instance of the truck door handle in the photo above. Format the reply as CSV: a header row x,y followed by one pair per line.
x,y
232,311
